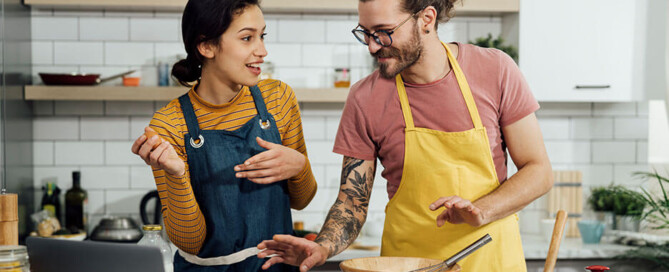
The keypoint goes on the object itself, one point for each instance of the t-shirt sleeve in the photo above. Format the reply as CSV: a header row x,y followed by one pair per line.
x,y
517,100
354,136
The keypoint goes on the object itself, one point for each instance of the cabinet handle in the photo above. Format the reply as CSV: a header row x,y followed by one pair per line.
x,y
593,86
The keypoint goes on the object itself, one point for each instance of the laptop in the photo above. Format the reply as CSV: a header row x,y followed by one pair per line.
x,y
54,255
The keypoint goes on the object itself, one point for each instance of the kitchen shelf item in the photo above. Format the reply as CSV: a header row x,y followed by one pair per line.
x,y
567,194
9,219
554,247
469,7
77,78
145,93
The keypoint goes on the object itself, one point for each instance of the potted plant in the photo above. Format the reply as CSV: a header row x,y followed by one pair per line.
x,y
489,42
617,206
601,201
628,206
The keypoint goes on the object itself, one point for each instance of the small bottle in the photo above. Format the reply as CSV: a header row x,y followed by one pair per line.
x,y
50,199
163,74
76,202
153,238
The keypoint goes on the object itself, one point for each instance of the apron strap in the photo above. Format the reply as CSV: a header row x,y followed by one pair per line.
x,y
191,119
404,102
464,89
260,104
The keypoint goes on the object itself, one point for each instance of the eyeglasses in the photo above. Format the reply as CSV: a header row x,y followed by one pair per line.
x,y
381,37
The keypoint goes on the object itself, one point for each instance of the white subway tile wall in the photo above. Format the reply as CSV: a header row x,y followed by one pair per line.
x,y
606,141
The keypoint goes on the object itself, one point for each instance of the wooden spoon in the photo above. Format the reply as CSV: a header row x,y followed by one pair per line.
x,y
554,247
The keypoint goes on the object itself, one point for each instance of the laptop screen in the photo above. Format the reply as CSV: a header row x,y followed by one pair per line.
x,y
54,255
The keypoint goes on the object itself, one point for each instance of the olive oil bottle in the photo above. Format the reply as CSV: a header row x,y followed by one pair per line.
x,y
76,202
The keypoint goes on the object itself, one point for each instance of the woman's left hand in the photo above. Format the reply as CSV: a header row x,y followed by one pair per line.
x,y
277,163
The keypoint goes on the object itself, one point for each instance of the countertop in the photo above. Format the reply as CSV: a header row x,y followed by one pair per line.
x,y
534,247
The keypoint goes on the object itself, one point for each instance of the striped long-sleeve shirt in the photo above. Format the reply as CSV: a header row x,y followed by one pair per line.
x,y
182,216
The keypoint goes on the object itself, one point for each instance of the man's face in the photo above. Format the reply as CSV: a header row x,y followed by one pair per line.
x,y
406,47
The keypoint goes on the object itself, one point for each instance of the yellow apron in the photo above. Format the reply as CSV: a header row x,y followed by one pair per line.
x,y
439,164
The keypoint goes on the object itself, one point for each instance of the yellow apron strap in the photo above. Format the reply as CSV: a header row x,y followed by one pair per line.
x,y
464,88
404,101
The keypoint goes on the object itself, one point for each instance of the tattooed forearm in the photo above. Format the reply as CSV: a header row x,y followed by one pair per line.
x,y
349,211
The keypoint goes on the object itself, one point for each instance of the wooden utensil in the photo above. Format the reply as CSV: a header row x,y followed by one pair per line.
x,y
9,219
554,247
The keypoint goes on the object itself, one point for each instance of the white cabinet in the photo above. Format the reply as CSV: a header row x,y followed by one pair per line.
x,y
583,50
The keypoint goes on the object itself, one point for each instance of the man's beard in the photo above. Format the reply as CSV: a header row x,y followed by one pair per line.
x,y
406,56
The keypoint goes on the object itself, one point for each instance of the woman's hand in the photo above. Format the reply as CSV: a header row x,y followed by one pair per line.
x,y
158,153
277,163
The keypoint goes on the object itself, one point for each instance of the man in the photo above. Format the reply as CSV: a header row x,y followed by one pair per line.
x,y
439,117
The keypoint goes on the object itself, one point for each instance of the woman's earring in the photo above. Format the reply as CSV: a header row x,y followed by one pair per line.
x,y
199,66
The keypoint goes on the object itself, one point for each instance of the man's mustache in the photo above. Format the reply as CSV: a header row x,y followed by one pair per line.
x,y
386,53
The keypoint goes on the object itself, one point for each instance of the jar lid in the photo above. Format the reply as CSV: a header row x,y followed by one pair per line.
x,y
12,256
152,227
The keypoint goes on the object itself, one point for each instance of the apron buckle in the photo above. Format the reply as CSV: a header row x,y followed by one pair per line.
x,y
264,125
198,144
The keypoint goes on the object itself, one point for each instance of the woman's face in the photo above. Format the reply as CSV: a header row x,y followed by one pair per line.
x,y
241,49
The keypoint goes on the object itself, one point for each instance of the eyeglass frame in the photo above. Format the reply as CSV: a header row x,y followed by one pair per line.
x,y
388,32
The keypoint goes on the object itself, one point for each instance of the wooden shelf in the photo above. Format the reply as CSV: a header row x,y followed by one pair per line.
x,y
119,93
270,6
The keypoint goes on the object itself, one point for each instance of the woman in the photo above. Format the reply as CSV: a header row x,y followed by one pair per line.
x,y
230,161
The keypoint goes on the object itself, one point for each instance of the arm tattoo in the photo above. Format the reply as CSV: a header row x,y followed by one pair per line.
x,y
349,211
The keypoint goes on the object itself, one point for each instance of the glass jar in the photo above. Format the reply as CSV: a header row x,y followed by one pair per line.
x,y
14,259
342,78
266,70
153,238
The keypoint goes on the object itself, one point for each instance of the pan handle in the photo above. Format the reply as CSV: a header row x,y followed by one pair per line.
x,y
100,80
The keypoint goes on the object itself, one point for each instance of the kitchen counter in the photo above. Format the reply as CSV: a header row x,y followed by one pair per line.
x,y
534,247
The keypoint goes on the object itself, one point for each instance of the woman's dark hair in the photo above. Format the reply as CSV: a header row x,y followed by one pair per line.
x,y
204,21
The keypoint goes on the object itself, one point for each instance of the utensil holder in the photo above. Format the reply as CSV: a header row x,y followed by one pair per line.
x,y
9,219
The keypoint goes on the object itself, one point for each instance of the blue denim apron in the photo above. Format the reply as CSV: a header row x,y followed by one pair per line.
x,y
239,213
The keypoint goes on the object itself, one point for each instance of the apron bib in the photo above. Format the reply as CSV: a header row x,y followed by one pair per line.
x,y
239,213
438,164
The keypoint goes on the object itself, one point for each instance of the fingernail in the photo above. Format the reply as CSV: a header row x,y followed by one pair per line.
x,y
236,168
432,207
238,175
247,163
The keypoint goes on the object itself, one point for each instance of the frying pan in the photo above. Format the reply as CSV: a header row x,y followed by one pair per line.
x,y
77,79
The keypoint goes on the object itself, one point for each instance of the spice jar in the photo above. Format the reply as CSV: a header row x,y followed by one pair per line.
x,y
14,259
342,78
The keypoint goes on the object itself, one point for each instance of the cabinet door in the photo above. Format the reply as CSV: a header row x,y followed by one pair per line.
x,y
578,50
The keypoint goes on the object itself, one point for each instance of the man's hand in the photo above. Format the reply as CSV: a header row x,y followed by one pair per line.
x,y
458,211
277,163
293,251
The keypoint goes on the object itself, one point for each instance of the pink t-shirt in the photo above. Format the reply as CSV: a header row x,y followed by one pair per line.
x,y
372,124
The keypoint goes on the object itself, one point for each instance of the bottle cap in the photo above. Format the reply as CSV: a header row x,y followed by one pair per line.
x,y
152,227
597,268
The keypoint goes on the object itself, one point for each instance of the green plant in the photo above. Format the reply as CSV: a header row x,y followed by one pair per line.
x,y
618,199
659,205
657,214
498,43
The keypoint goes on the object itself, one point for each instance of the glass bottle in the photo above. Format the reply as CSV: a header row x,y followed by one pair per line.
x,y
153,238
50,199
14,259
76,202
